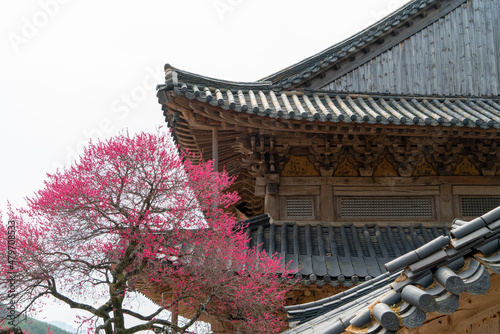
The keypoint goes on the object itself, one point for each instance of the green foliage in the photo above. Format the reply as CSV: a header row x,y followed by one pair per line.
x,y
39,327
34,326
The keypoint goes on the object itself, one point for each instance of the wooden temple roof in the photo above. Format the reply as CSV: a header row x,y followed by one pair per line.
x,y
362,86
235,102
305,93
428,279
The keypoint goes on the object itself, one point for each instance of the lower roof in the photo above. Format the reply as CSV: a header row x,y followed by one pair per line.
x,y
344,254
428,279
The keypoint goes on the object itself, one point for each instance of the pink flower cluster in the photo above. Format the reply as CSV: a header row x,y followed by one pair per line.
x,y
132,215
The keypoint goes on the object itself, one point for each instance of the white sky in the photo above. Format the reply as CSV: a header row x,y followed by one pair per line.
x,y
71,70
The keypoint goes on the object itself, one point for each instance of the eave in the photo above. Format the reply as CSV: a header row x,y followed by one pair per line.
x,y
259,108
432,278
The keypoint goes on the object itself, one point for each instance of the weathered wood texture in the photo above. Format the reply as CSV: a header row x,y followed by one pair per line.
x,y
446,195
301,294
456,55
475,315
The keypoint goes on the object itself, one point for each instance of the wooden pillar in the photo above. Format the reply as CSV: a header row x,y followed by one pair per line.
x,y
326,203
175,313
446,204
215,148
271,202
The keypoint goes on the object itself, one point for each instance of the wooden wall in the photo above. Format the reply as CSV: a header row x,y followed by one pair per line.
x,y
475,315
445,191
456,55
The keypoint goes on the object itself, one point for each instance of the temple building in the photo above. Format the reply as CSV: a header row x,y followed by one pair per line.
x,y
354,162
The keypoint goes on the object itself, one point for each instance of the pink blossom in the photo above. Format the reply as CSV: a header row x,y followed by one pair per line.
x,y
132,215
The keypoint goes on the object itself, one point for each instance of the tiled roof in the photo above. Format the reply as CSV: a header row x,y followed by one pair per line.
x,y
260,99
344,254
307,67
355,298
432,279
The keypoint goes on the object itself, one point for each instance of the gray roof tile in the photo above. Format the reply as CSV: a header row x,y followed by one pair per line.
x,y
322,106
413,317
436,265
344,254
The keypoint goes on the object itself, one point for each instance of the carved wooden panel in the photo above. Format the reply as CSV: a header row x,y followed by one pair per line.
x,y
345,168
341,155
385,169
405,156
466,168
299,166
424,168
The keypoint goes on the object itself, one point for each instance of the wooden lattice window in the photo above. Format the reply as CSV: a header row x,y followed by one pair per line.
x,y
299,207
477,206
386,207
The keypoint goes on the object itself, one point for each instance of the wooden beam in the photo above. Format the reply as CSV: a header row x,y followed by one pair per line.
x,y
446,202
326,203
393,181
175,313
271,203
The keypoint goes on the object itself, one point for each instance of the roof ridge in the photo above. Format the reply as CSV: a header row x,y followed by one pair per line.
x,y
345,41
301,71
175,76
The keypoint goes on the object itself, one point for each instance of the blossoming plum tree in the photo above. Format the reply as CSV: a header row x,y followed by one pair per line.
x,y
132,216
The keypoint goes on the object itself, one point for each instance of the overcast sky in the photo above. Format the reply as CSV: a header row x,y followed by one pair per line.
x,y
71,70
